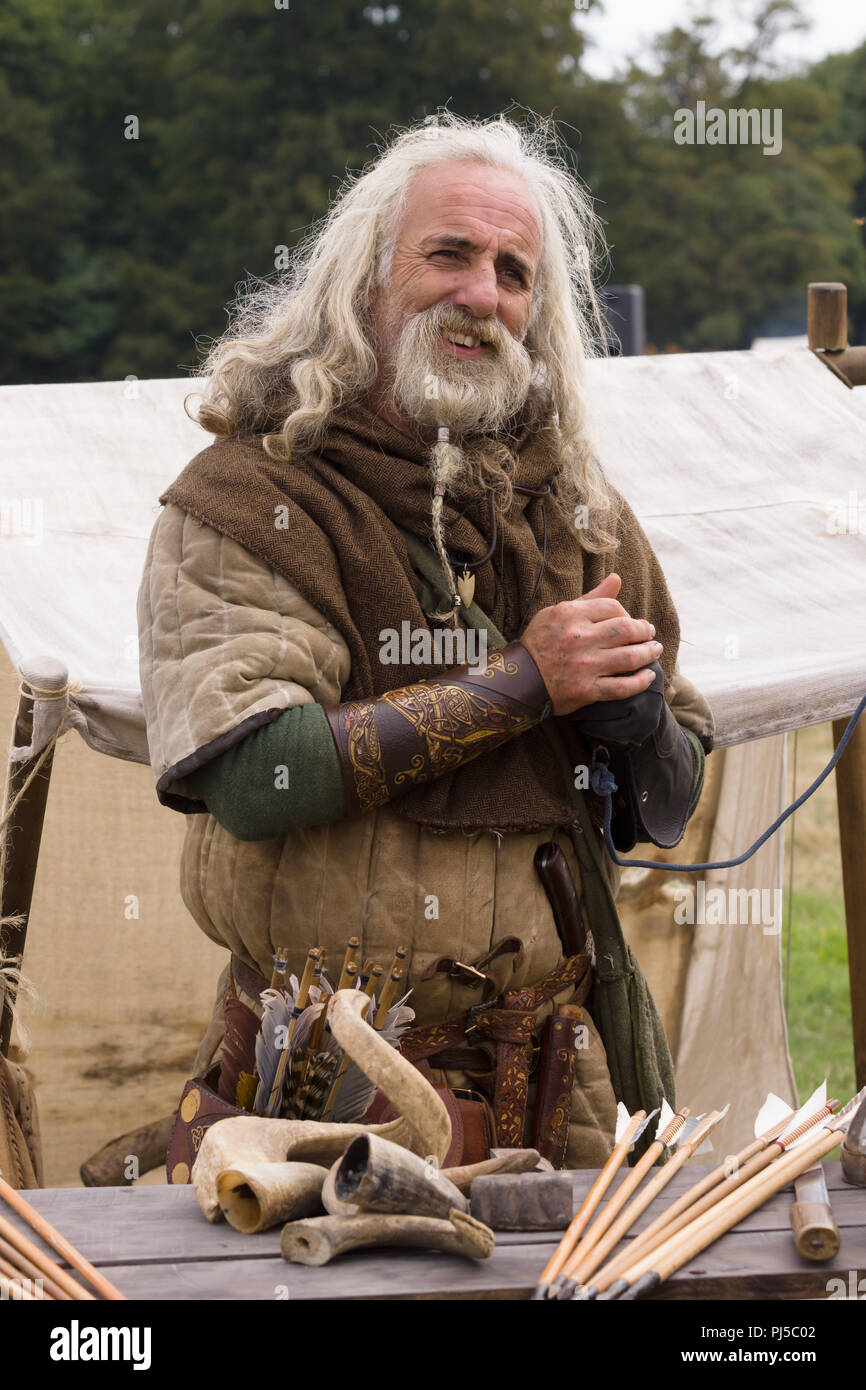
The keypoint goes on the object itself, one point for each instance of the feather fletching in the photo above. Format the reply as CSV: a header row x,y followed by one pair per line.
x,y
623,1120
309,1077
277,1014
772,1113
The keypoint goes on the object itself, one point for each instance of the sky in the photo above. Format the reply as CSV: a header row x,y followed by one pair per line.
x,y
623,28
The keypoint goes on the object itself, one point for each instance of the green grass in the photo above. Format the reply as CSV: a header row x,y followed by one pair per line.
x,y
819,1007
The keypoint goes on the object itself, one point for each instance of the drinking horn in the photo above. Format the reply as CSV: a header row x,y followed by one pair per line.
x,y
248,1151
378,1176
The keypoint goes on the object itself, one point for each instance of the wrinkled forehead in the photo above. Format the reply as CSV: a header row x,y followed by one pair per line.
x,y
475,200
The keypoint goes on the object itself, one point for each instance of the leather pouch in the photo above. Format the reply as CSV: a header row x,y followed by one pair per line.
x,y
200,1107
472,1132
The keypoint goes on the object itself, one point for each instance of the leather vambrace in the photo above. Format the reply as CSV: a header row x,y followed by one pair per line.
x,y
653,761
388,744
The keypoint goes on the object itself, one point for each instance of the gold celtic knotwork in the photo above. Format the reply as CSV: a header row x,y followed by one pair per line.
x,y
456,725
365,755
452,723
497,664
196,1134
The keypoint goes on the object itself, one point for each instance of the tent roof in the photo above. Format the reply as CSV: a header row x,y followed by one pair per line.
x,y
741,466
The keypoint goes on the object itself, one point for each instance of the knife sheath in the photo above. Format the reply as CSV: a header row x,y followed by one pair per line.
x,y
555,1084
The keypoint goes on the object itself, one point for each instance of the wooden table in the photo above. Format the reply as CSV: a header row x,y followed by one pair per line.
x,y
154,1243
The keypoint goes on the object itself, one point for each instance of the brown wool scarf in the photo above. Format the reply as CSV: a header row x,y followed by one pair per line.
x,y
340,545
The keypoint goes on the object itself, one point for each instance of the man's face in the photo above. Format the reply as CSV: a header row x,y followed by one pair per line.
x,y
449,327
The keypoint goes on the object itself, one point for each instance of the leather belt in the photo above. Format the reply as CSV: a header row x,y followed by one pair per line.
x,y
510,1023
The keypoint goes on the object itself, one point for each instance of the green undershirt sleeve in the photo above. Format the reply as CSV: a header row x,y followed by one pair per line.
x,y
280,777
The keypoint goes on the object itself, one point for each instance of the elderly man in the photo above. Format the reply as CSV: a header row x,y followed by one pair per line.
x,y
403,464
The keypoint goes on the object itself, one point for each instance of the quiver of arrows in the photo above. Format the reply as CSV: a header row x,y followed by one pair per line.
x,y
301,1072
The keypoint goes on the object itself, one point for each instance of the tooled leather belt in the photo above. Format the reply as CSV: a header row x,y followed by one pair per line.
x,y
509,1021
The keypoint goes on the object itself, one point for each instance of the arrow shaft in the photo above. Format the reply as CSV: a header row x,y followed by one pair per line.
x,y
677,1251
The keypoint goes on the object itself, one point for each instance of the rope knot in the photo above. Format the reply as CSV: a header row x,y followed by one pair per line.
x,y
601,779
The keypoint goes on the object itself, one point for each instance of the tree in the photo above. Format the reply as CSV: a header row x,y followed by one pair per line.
x,y
725,238
160,152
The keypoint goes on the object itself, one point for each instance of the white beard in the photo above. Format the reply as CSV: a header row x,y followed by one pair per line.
x,y
471,396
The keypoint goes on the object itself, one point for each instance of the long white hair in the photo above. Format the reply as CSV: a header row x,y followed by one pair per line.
x,y
301,345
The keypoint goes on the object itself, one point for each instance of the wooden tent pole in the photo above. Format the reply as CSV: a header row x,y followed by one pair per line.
x,y
828,339
24,831
828,332
851,803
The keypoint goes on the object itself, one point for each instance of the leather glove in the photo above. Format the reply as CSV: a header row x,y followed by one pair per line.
x,y
653,761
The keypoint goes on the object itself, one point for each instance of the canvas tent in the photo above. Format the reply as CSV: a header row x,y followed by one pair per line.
x,y
736,464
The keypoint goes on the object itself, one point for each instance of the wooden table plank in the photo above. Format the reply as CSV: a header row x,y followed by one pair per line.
x,y
131,1224
155,1244
741,1267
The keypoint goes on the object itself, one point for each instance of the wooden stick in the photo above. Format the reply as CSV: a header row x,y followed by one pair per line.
x,y
850,779
374,975
42,1261
351,975
324,998
694,1202
278,981
58,1242
348,975
827,316
588,1205
313,957
353,946
389,994
13,1256
352,971
632,1180
399,957
13,1289
316,1031
24,829
667,1258
17,1272
278,974
643,1199
300,1004
107,1167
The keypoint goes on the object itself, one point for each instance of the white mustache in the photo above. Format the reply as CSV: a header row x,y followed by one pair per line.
x,y
469,328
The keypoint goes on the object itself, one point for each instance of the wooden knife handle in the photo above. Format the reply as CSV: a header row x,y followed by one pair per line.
x,y
816,1234
552,868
